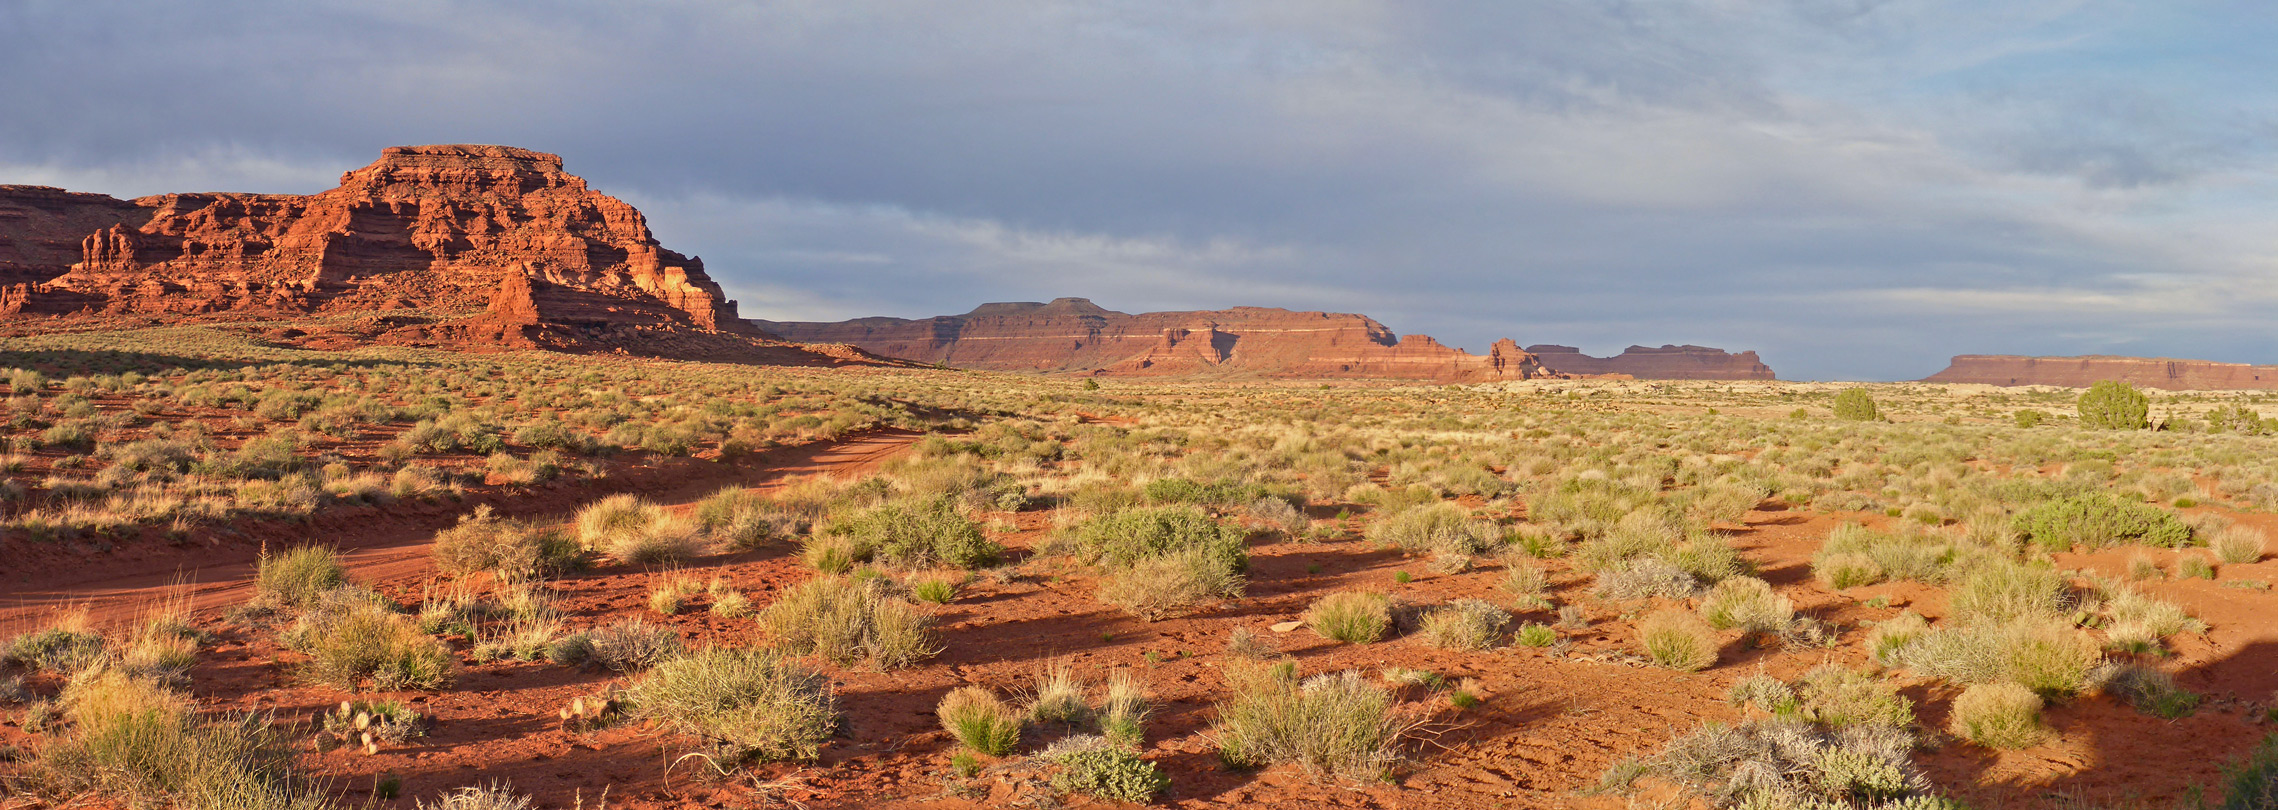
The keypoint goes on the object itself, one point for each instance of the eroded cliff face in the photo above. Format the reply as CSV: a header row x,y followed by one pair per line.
x,y
2087,370
500,244
1664,363
1075,335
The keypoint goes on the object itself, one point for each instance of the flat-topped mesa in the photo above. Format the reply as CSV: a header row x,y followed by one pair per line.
x,y
448,229
2086,370
1665,363
1073,335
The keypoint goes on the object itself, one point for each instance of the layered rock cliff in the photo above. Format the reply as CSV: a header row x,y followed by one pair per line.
x,y
1664,363
500,245
2087,370
1075,335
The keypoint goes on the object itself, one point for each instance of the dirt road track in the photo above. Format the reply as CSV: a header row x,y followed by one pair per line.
x,y
387,541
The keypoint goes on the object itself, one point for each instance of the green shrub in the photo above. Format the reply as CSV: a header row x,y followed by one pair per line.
x,y
2030,418
1339,723
918,534
979,720
296,577
64,649
2047,655
2099,520
1535,634
1093,765
1677,640
1353,617
1998,715
846,620
1125,537
2113,405
752,704
1855,405
514,549
2151,691
1464,624
352,636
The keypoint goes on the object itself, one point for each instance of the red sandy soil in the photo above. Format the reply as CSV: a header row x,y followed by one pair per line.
x,y
1553,719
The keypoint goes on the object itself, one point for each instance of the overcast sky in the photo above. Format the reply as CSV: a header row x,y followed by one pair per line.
x,y
1855,188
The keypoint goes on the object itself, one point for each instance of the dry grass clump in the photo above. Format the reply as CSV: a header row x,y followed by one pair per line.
x,y
1779,763
750,704
1998,715
741,519
1748,604
634,531
846,620
1464,624
2047,656
1677,640
1441,527
143,744
1058,696
1353,617
979,720
296,577
1161,587
65,646
493,796
352,636
625,646
2239,545
1338,723
1998,591
1855,555
513,549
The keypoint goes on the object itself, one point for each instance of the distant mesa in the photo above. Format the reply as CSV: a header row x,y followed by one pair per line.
x,y
2086,370
1074,335
452,246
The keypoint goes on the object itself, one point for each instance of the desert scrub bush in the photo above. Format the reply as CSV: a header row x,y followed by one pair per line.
x,y
1128,536
493,796
626,645
749,704
1779,763
1677,640
1058,696
143,744
1890,636
1854,555
919,533
2098,520
1124,709
353,636
1094,765
2151,691
1747,604
2137,622
1998,715
1645,578
515,550
847,620
2114,405
980,720
1535,634
2006,591
1522,578
1337,723
1437,527
634,531
1353,617
744,520
1161,587
2239,545
1856,405
296,577
1464,624
1835,696
66,646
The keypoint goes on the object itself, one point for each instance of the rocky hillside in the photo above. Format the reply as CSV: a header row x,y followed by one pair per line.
x,y
2087,370
1665,363
1075,335
456,246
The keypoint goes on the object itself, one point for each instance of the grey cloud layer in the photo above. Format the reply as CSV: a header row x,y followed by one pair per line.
x,y
1855,188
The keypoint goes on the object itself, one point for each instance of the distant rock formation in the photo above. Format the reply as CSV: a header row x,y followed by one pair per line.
x,y
490,246
1665,363
2087,370
1074,335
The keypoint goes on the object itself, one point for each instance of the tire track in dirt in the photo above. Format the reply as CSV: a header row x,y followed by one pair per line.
x,y
214,579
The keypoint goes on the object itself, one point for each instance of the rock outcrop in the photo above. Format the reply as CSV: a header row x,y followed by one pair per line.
x,y
497,246
1665,363
2087,370
1073,335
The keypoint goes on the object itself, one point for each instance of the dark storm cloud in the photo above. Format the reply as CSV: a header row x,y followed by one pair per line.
x,y
1854,188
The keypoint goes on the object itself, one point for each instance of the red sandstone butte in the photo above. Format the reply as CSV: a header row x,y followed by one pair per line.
x,y
2087,370
457,246
1073,335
